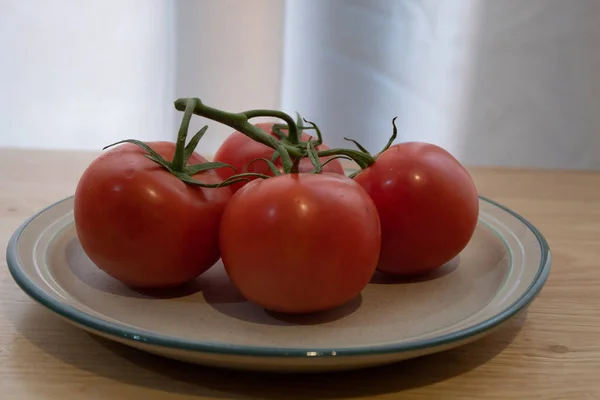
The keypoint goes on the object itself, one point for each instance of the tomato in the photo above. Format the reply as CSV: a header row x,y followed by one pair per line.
x,y
427,204
239,150
300,243
142,225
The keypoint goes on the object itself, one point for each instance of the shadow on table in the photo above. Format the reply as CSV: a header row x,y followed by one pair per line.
x,y
121,363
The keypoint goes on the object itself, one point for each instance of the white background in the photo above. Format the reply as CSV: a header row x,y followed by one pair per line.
x,y
511,82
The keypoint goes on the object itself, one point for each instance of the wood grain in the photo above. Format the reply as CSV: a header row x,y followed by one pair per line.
x,y
551,351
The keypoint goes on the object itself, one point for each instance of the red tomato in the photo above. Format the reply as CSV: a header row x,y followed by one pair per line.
x,y
239,150
300,243
427,204
142,225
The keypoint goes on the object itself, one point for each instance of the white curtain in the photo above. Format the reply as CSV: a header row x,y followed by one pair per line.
x,y
511,82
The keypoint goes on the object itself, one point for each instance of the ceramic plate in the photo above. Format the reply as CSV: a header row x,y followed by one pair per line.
x,y
208,322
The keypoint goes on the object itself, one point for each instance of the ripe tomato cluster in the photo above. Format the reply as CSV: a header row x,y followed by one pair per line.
x,y
294,232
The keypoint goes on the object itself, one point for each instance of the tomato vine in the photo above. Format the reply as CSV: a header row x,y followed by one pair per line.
x,y
294,147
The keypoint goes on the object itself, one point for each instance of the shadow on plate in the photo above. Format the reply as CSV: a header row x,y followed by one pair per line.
x,y
213,288
222,295
319,317
380,278
120,363
83,269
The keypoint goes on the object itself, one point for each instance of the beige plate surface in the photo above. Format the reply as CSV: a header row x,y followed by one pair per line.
x,y
208,322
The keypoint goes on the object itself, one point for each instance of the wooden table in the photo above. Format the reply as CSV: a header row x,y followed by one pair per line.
x,y
550,352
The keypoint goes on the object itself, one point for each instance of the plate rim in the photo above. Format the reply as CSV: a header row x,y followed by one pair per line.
x,y
123,332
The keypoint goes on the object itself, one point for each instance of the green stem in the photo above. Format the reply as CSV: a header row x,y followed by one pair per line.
x,y
179,158
284,155
238,122
314,126
362,159
290,148
295,168
300,126
292,126
393,137
314,158
178,166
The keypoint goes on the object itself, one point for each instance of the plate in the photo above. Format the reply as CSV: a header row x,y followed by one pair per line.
x,y
208,322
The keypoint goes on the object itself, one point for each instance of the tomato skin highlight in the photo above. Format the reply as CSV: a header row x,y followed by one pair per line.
x,y
239,150
300,243
428,206
142,225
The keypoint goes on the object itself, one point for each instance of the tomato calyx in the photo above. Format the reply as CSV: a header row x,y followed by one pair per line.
x,y
300,127
178,165
288,166
366,152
